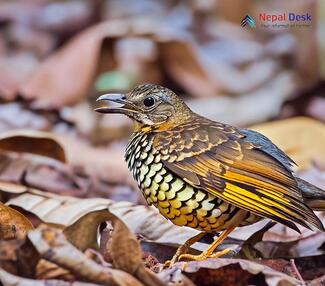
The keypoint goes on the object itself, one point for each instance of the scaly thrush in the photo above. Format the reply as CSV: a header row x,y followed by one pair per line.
x,y
208,175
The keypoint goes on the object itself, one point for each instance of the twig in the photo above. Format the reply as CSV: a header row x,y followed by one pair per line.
x,y
293,265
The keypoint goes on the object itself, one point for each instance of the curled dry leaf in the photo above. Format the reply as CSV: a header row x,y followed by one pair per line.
x,y
8,279
126,254
35,142
140,219
123,247
247,248
12,223
83,233
89,170
227,272
53,246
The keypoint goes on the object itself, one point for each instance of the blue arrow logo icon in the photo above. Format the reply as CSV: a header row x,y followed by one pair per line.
x,y
248,21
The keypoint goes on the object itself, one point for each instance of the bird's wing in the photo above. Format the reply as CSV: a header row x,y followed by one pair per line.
x,y
223,161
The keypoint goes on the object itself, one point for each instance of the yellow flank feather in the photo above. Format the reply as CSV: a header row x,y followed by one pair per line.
x,y
251,181
236,196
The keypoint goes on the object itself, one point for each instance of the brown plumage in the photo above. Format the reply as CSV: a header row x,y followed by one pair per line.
x,y
204,174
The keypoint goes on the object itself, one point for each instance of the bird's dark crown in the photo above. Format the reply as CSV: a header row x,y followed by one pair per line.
x,y
149,105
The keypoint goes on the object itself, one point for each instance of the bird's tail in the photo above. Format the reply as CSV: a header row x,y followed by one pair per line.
x,y
314,197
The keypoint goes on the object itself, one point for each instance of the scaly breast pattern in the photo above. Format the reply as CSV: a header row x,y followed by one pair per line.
x,y
175,199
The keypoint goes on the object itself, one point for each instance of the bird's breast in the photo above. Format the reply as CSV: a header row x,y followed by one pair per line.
x,y
175,199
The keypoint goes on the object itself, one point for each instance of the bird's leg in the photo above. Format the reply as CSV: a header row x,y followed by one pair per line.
x,y
209,252
184,248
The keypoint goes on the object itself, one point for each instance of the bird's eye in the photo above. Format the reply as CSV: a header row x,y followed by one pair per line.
x,y
149,101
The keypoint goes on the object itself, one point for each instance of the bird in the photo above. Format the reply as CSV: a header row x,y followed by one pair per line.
x,y
208,175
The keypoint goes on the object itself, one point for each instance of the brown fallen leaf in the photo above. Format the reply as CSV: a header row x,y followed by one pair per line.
x,y
12,223
317,282
8,86
89,172
247,248
52,246
8,256
269,243
140,219
174,276
18,256
302,138
20,172
181,61
268,97
316,108
66,76
125,252
47,270
227,272
83,232
8,279
122,248
106,163
14,115
35,142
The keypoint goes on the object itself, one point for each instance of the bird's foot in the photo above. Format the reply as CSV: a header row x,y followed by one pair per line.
x,y
170,263
204,255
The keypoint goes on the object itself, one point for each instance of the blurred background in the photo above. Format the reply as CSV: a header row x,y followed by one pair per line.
x,y
57,57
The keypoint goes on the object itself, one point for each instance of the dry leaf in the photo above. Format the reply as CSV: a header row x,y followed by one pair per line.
x,y
181,62
12,223
20,173
35,142
174,276
123,247
269,99
247,249
15,115
65,77
83,233
227,272
105,163
52,246
8,256
302,138
140,219
91,171
46,270
8,279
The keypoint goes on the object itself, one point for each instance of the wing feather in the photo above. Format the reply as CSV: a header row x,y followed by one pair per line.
x,y
222,161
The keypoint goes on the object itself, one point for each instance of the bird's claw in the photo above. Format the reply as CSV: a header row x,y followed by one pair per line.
x,y
203,255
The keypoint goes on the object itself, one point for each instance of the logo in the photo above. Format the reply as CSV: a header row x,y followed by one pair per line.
x,y
248,21
279,20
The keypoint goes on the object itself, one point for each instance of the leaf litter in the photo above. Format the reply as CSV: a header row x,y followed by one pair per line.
x,y
70,212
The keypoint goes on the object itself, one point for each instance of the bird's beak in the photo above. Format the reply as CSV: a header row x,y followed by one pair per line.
x,y
119,104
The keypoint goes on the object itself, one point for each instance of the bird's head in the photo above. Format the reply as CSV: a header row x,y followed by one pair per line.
x,y
148,105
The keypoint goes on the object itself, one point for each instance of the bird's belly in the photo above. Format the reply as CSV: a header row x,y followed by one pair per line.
x,y
187,206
